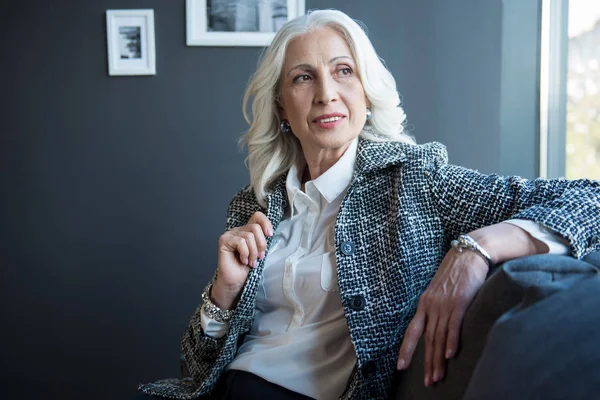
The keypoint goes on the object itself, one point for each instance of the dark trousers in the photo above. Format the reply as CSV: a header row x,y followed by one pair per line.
x,y
242,385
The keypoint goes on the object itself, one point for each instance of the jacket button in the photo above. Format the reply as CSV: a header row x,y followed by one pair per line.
x,y
347,248
369,368
357,303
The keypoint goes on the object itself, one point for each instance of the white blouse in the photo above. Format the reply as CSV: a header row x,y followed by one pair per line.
x,y
299,338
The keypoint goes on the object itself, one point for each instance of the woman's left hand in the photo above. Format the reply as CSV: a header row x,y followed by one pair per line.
x,y
440,312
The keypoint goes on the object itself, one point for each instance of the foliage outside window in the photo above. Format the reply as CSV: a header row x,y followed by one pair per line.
x,y
583,90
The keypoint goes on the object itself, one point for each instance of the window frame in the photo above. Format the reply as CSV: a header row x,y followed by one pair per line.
x,y
553,88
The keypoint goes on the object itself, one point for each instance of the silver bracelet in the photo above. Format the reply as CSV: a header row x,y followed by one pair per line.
x,y
467,242
212,311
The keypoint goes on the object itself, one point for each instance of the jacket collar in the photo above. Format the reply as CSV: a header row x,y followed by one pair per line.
x,y
370,156
277,201
377,155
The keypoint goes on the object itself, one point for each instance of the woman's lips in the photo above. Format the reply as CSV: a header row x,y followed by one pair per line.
x,y
329,121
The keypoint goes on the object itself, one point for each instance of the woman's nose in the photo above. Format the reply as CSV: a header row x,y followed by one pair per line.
x,y
326,91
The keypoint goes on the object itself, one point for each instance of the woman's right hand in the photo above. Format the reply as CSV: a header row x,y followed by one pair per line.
x,y
239,250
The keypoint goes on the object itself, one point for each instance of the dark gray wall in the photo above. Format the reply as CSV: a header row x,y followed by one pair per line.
x,y
446,58
114,189
114,192
520,96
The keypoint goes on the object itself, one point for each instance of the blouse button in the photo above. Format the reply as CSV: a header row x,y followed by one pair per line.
x,y
357,303
347,248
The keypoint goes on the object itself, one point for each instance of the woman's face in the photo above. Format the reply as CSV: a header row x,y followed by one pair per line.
x,y
321,94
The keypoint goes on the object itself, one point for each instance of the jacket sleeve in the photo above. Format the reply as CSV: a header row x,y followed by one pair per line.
x,y
205,356
468,200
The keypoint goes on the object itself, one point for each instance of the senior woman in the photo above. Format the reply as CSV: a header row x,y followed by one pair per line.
x,y
351,241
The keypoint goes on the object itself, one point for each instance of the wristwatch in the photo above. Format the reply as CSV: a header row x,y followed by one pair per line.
x,y
212,311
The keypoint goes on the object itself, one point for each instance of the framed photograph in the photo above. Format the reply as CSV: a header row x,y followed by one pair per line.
x,y
238,22
130,42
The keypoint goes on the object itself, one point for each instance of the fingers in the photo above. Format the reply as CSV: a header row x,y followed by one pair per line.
x,y
249,241
262,220
411,338
430,338
257,228
454,325
439,348
432,320
235,242
446,340
439,315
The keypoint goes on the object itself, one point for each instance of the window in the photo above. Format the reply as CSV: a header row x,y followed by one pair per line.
x,y
583,90
570,89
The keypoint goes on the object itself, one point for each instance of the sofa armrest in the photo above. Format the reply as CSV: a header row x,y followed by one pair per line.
x,y
548,350
514,285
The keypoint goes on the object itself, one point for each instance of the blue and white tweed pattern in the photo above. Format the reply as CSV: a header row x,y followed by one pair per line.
x,y
404,206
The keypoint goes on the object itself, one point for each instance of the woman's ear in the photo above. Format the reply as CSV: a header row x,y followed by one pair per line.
x,y
280,110
282,113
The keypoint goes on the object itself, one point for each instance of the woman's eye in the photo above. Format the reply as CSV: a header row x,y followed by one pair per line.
x,y
345,71
301,78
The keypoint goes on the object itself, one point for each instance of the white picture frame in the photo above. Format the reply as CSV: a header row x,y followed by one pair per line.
x,y
237,22
130,42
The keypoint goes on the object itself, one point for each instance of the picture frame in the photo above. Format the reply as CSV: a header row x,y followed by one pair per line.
x,y
130,42
237,22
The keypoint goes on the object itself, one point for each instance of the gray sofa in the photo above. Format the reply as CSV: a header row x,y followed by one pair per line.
x,y
532,332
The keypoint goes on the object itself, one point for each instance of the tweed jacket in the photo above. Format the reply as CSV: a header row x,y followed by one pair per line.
x,y
404,205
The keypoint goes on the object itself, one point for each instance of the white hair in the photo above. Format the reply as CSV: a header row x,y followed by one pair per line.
x,y
270,152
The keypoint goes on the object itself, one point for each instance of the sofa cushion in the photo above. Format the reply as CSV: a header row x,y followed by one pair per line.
x,y
515,285
546,351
